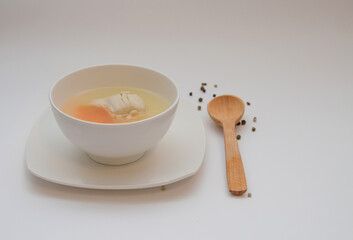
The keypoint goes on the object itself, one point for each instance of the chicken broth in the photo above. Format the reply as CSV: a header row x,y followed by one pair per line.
x,y
114,105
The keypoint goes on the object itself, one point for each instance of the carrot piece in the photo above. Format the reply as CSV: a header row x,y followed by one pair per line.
x,y
94,113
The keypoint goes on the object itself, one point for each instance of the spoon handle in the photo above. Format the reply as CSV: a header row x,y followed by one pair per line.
x,y
235,170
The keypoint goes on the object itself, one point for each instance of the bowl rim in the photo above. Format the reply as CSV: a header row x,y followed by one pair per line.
x,y
172,106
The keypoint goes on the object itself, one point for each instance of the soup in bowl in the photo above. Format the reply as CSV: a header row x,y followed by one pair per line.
x,y
114,113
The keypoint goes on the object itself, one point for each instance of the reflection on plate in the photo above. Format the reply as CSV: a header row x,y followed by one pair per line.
x,y
178,155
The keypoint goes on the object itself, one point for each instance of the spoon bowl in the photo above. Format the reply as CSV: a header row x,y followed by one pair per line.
x,y
226,111
226,108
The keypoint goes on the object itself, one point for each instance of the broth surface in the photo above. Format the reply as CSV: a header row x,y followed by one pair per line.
x,y
80,106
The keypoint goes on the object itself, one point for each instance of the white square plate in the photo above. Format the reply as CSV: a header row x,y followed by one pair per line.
x,y
178,155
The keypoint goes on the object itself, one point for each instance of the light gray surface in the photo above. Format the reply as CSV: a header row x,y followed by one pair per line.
x,y
293,60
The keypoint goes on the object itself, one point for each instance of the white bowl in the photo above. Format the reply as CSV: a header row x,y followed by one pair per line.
x,y
117,143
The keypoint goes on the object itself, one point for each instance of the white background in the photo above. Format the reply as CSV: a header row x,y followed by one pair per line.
x,y
293,60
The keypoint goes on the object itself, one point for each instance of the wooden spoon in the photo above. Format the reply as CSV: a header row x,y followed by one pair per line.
x,y
226,111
